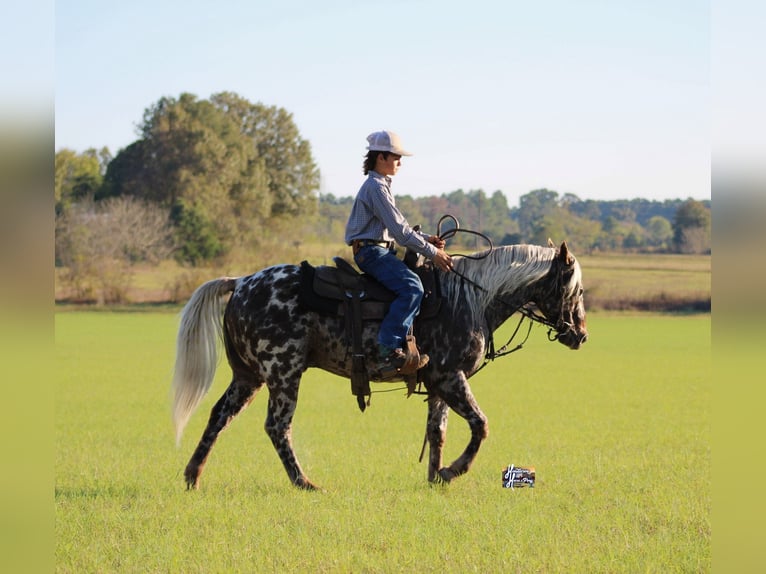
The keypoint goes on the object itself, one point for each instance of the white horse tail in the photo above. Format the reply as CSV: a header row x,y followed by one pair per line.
x,y
199,333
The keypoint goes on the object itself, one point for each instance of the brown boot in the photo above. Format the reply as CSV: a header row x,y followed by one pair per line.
x,y
397,359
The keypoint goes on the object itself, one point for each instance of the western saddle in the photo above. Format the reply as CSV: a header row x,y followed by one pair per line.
x,y
357,297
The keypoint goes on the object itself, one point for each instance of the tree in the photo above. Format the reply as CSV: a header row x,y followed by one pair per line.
x,y
78,176
635,236
332,215
473,215
691,227
224,166
533,207
659,231
292,176
433,208
409,206
582,233
497,218
195,234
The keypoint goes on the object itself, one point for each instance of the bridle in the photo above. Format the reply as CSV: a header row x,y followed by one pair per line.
x,y
527,311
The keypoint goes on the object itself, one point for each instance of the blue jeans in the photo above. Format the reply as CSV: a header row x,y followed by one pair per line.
x,y
383,264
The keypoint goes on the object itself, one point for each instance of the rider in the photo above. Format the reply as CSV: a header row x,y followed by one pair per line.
x,y
374,223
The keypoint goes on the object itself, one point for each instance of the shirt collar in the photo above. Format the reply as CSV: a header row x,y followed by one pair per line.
x,y
376,175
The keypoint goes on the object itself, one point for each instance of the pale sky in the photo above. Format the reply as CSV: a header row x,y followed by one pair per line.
x,y
603,99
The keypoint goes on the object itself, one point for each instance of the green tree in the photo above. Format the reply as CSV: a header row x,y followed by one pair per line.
x,y
533,208
582,233
78,176
433,208
635,236
195,234
477,207
292,176
411,210
497,219
691,227
331,218
659,231
224,166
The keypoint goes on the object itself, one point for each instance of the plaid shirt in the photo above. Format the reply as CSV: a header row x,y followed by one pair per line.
x,y
374,216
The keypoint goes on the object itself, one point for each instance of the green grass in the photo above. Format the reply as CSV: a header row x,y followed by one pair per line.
x,y
619,433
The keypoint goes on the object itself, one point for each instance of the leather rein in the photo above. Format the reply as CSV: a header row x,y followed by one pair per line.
x,y
525,310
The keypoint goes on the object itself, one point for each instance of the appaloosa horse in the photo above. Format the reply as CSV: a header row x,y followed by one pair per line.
x,y
270,339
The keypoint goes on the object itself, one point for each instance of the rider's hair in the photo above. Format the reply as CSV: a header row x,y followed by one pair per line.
x,y
371,158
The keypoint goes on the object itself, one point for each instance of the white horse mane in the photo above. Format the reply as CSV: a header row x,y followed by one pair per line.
x,y
505,268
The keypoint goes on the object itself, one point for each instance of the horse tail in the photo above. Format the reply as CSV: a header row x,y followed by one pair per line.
x,y
200,331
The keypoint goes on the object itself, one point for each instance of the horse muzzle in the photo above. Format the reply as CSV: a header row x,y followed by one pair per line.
x,y
573,338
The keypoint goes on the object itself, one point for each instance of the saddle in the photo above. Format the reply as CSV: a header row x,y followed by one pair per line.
x,y
357,297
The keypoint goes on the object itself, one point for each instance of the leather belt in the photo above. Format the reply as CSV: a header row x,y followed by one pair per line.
x,y
357,244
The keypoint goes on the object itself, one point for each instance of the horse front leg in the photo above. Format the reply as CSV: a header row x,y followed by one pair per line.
x,y
436,432
238,395
458,396
282,403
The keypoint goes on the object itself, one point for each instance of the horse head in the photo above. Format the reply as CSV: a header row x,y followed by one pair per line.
x,y
561,301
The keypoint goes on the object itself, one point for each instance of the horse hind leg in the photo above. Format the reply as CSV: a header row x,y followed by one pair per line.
x,y
282,404
238,395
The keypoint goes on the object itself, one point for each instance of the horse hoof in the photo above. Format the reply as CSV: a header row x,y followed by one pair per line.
x,y
306,484
446,475
192,480
442,476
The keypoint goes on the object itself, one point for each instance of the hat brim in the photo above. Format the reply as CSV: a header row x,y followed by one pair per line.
x,y
396,150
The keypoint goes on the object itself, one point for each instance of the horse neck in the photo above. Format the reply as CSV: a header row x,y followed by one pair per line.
x,y
505,280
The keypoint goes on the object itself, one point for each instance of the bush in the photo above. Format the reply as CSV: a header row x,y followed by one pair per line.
x,y
98,244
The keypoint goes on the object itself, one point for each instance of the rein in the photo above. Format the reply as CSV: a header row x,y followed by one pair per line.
x,y
525,310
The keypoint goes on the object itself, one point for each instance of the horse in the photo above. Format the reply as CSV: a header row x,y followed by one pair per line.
x,y
271,340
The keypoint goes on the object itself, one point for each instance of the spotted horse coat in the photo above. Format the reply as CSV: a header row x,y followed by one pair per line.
x,y
270,340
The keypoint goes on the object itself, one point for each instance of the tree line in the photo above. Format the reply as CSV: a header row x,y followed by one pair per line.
x,y
589,226
209,179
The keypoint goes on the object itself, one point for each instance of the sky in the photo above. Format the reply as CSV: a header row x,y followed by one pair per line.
x,y
605,100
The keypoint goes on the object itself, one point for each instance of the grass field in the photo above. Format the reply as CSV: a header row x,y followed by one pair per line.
x,y
619,433
618,281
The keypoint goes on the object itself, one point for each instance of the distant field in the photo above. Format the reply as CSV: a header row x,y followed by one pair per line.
x,y
619,433
612,281
647,282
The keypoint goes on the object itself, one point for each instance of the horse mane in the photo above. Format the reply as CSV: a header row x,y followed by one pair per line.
x,y
507,268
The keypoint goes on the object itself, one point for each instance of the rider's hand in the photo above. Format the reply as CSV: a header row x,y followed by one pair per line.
x,y
442,260
436,241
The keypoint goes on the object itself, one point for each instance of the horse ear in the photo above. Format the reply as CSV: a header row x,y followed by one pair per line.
x,y
564,254
550,243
